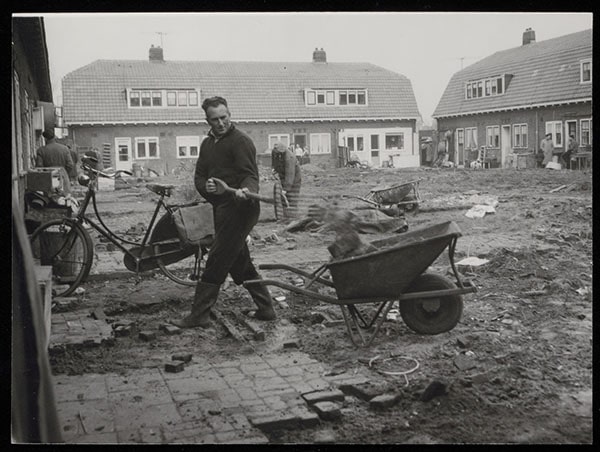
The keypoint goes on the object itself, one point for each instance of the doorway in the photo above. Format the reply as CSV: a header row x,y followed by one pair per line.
x,y
571,129
300,138
506,145
123,154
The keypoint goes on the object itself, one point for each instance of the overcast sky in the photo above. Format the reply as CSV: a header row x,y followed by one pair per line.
x,y
425,47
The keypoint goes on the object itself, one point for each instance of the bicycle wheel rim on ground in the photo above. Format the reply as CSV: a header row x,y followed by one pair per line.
x,y
185,269
68,249
181,264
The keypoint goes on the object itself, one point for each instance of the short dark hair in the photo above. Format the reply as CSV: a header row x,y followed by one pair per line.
x,y
48,134
214,101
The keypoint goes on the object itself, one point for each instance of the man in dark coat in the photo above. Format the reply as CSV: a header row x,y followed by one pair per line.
x,y
227,154
54,154
287,168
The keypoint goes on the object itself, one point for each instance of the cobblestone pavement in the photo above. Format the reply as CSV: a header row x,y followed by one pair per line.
x,y
226,402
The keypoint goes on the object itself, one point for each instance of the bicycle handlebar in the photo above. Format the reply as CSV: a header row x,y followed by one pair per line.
x,y
86,165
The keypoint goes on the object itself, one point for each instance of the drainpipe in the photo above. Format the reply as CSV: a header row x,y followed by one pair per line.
x,y
537,138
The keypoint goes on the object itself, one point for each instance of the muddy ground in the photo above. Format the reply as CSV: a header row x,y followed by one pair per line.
x,y
517,367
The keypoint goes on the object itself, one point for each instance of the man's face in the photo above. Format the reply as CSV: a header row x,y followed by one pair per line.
x,y
218,119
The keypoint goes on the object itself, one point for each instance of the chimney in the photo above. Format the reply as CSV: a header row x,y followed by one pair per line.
x,y
528,36
319,56
156,53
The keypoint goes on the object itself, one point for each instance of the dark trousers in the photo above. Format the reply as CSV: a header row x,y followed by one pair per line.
x,y
229,252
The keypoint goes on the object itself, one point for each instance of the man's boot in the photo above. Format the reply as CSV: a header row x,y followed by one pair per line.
x,y
262,298
204,299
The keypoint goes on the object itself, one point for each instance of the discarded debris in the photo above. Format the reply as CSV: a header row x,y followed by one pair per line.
x,y
473,261
174,367
435,389
185,357
479,211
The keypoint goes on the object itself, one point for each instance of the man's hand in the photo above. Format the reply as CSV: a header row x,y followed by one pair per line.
x,y
240,193
211,187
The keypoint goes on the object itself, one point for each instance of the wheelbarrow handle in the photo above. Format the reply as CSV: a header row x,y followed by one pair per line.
x,y
222,187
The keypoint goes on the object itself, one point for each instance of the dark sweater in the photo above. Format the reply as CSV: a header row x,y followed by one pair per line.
x,y
231,158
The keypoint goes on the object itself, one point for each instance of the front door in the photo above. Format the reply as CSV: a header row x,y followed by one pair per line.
x,y
123,154
506,145
300,138
571,127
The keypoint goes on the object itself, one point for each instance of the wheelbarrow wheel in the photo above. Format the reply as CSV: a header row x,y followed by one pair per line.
x,y
431,315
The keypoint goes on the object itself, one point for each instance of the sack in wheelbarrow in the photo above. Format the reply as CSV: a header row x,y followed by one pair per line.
x,y
194,223
397,262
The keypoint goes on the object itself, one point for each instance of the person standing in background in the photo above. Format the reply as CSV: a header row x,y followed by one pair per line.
x,y
547,148
287,168
54,154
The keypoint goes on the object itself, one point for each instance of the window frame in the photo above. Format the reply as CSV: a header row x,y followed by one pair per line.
x,y
518,141
401,139
146,141
485,87
492,140
314,150
336,97
187,142
275,137
589,131
468,135
556,128
581,71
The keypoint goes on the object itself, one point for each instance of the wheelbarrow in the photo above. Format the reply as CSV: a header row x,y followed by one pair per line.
x,y
402,197
428,303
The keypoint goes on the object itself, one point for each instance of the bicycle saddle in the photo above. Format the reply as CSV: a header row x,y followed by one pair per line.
x,y
160,189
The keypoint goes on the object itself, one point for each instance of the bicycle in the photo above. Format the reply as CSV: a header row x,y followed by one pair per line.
x,y
66,245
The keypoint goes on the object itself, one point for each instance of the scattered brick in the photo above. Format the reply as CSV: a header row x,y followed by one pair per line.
x,y
324,436
185,357
147,335
364,391
170,329
327,411
383,401
174,367
435,389
121,331
125,323
464,362
291,344
463,342
323,396
98,314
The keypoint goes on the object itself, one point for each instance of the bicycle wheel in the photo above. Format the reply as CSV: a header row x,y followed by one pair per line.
x,y
182,264
68,249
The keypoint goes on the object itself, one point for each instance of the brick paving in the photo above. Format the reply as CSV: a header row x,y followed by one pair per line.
x,y
236,401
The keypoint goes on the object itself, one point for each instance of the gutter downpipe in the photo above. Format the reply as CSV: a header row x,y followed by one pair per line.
x,y
537,136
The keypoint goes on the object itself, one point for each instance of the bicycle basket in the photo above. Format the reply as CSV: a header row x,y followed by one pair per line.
x,y
194,223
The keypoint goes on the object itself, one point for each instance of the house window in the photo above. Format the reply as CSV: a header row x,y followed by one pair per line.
x,y
586,71
320,143
362,98
350,143
193,98
311,98
283,138
188,146
499,82
320,97
468,90
146,99
488,87
479,89
360,143
156,98
520,135
182,98
471,137
352,97
555,128
171,98
493,136
330,98
343,98
586,132
146,148
134,99
394,141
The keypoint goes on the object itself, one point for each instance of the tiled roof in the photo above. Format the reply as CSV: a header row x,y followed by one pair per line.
x,y
255,91
543,72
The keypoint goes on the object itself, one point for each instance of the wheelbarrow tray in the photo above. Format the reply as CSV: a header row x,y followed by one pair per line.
x,y
394,194
398,261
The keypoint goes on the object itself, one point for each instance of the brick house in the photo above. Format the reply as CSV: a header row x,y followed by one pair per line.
x,y
149,112
32,107
509,100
